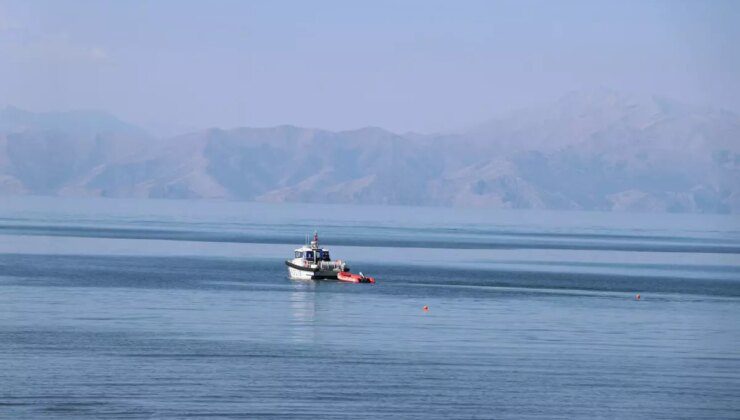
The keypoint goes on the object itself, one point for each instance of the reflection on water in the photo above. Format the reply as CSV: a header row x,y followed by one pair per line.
x,y
303,310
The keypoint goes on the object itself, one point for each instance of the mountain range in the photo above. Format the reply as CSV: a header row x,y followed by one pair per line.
x,y
591,150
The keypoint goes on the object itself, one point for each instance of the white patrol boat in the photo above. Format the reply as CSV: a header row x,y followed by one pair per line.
x,y
311,262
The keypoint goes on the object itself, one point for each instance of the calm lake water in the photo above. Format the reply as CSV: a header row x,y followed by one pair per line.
x,y
172,309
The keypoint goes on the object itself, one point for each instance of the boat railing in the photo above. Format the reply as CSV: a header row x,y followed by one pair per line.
x,y
331,265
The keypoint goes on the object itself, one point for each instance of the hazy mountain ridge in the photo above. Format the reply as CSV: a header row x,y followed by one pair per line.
x,y
590,150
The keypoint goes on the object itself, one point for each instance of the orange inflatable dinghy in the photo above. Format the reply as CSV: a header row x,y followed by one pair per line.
x,y
354,278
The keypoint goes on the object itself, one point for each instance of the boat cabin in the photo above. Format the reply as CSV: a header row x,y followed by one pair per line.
x,y
313,255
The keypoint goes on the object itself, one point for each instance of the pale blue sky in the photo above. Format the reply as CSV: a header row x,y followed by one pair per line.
x,y
403,65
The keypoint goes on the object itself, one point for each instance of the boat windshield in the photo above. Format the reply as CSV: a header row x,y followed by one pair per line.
x,y
309,255
298,254
325,256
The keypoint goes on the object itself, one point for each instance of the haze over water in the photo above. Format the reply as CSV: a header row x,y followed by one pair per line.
x,y
169,309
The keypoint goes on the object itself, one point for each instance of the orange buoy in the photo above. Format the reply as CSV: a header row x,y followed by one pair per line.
x,y
637,296
426,308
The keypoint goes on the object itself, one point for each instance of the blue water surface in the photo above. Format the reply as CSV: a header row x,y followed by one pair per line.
x,y
174,309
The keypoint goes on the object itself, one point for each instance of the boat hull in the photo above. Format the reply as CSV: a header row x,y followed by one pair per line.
x,y
297,272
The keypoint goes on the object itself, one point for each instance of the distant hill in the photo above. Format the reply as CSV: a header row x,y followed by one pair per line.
x,y
596,150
